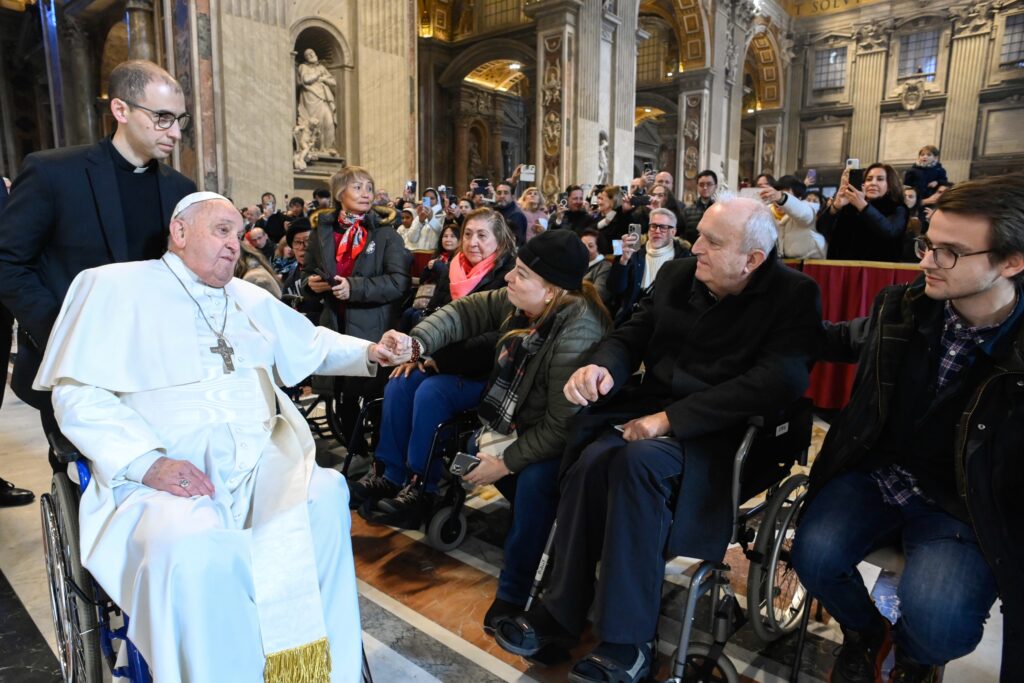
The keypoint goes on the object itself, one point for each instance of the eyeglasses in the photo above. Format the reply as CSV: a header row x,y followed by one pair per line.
x,y
164,119
300,243
944,258
660,226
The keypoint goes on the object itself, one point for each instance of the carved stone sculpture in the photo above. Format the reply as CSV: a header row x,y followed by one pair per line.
x,y
602,158
316,106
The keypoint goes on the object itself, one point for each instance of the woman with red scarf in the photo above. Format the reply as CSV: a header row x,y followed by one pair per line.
x,y
357,265
421,395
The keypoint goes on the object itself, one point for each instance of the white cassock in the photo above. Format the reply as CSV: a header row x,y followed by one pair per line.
x,y
261,573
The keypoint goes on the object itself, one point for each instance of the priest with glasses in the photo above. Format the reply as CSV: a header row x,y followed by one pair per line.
x,y
207,519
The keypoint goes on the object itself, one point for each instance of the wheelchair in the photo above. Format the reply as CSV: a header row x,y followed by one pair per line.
x,y
776,602
90,629
85,620
446,525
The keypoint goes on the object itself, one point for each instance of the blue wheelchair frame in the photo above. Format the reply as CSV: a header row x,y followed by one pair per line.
x,y
136,670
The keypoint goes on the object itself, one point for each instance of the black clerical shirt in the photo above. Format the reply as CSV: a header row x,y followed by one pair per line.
x,y
139,190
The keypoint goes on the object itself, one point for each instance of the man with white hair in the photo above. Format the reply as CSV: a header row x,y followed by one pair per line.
x,y
207,519
727,334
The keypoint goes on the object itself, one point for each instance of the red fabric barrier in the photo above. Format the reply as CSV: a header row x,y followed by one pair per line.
x,y
419,262
848,288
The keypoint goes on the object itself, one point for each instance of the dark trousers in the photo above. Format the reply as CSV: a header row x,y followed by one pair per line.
x,y
616,508
946,589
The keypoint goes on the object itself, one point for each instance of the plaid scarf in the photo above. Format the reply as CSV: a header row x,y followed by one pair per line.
x,y
502,396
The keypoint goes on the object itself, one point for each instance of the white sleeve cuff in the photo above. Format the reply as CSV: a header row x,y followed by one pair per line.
x,y
138,467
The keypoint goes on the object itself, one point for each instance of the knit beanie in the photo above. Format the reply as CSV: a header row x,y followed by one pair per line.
x,y
558,256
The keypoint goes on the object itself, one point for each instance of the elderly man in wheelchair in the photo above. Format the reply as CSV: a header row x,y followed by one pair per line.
x,y
725,336
206,518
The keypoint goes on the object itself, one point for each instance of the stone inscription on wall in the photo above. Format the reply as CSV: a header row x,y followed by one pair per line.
x,y
823,146
814,8
902,136
1002,132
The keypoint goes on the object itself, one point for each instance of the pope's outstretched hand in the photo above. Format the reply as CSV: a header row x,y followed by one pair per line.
x,y
398,345
177,477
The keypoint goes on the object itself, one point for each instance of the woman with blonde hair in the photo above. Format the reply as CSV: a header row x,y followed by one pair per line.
x,y
531,203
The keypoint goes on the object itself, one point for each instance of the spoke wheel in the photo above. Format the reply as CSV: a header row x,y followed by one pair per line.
x,y
775,597
75,620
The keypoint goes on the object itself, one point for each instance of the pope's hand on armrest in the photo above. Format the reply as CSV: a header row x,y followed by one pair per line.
x,y
588,384
178,477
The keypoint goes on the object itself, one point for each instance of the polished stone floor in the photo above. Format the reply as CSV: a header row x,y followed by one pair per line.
x,y
421,609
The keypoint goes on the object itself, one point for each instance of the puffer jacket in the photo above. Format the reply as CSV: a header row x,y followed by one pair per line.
x,y
989,438
379,282
542,413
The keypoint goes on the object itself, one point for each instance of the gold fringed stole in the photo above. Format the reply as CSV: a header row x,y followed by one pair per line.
x,y
309,663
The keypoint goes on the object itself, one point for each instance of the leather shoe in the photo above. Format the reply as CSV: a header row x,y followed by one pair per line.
x,y
11,496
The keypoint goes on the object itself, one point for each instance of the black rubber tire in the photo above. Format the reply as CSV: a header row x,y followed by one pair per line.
x,y
75,621
446,532
773,576
696,655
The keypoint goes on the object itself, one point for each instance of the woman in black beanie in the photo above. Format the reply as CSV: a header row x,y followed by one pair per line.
x,y
545,320
868,224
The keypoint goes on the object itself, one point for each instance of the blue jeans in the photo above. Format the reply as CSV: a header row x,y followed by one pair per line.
x,y
946,589
413,407
533,493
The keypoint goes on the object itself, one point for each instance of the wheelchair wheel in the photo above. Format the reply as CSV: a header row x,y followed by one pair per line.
x,y
446,530
75,620
775,597
701,668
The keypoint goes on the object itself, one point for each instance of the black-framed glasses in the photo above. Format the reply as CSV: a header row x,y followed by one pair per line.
x,y
164,119
944,258
660,226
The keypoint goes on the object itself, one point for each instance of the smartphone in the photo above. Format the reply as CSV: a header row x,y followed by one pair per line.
x,y
528,173
640,200
463,464
410,187
635,229
428,202
648,167
442,189
323,275
856,178
852,163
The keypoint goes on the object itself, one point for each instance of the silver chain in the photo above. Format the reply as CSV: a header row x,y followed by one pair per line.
x,y
224,324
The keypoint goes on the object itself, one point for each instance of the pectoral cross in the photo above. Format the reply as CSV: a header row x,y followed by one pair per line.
x,y
224,351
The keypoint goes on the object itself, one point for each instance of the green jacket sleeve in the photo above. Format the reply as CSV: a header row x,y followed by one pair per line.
x,y
465,318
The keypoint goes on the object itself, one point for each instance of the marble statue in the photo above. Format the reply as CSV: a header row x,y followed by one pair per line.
x,y
317,108
602,158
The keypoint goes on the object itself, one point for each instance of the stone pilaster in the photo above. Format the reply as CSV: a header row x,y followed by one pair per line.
x,y
692,147
80,120
461,153
868,83
141,40
623,93
972,30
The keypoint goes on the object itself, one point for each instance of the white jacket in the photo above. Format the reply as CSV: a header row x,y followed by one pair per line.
x,y
797,236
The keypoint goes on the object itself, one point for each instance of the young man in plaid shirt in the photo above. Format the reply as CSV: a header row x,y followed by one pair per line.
x,y
929,453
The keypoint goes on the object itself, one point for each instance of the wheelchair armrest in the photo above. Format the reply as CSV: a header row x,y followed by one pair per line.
x,y
63,450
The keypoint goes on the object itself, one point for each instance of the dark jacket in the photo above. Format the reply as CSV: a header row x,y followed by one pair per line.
x,y
624,281
379,282
919,177
577,221
516,220
875,234
989,441
691,219
473,357
542,413
64,216
710,366
614,230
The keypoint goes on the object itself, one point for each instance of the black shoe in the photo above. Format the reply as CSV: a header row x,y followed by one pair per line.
x,y
528,634
408,510
371,488
861,655
500,609
615,662
11,496
908,671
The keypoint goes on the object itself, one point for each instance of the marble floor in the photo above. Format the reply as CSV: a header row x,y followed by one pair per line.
x,y
421,609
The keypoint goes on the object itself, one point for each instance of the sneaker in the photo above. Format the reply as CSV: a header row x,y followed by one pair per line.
x,y
371,488
500,609
861,655
909,671
407,510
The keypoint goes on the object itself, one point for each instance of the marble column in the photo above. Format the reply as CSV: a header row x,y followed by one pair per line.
x,y
141,39
461,161
972,27
497,162
692,137
556,104
80,87
623,93
794,99
868,82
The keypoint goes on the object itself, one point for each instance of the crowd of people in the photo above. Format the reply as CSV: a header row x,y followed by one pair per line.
x,y
614,341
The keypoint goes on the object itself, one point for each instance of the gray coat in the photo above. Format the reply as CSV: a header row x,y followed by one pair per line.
x,y
379,282
542,414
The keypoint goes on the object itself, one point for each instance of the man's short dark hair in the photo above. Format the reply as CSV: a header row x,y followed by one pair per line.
x,y
1000,199
321,193
572,188
268,194
505,183
792,184
710,174
297,201
590,232
128,80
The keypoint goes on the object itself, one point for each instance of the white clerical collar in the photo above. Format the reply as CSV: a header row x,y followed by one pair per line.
x,y
185,274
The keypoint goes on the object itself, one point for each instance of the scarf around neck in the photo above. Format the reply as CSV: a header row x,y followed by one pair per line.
x,y
655,259
463,278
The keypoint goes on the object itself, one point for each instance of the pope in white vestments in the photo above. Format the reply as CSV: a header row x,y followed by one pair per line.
x,y
207,520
